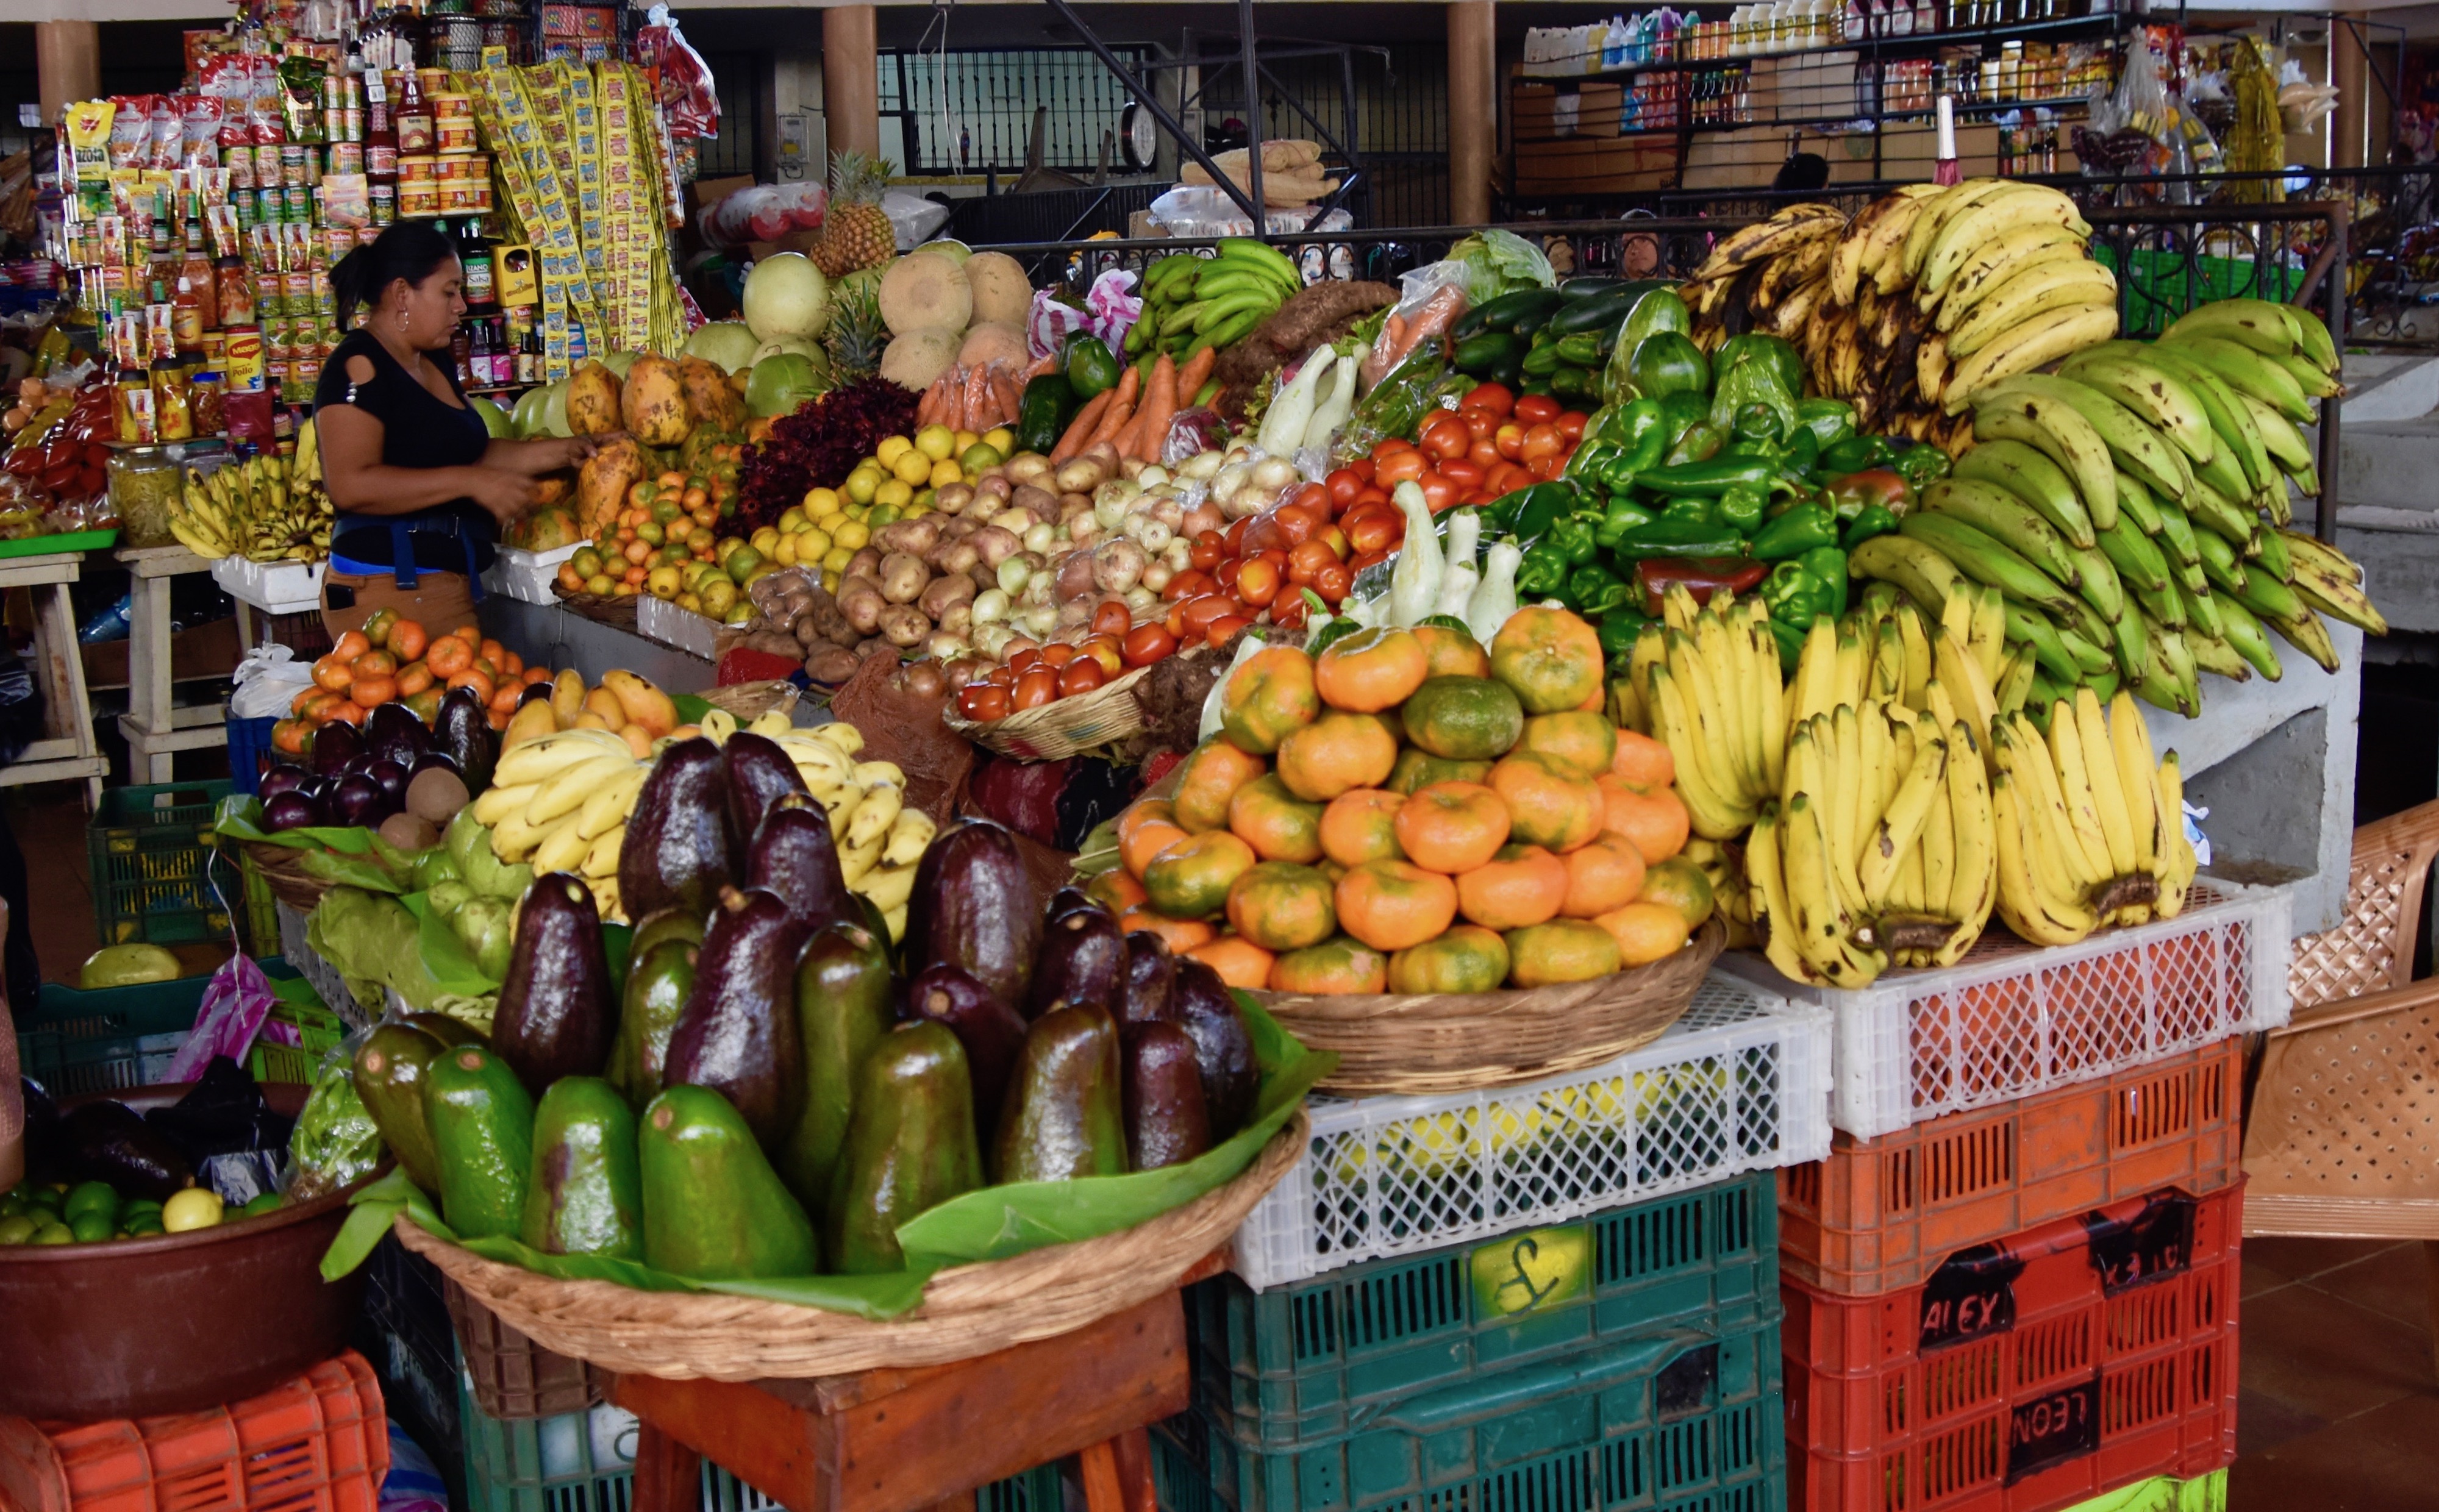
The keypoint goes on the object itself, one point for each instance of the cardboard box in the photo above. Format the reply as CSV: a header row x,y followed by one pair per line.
x,y
1544,113
1588,164
708,193
1745,158
1535,107
1597,108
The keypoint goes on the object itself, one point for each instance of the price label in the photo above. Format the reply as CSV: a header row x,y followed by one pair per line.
x,y
1972,1295
2158,1242
1532,1272
2054,1428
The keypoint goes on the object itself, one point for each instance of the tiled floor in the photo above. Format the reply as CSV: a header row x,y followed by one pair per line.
x,y
2339,1409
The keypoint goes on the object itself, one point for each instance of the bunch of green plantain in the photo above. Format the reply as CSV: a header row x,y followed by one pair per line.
x,y
265,509
1193,302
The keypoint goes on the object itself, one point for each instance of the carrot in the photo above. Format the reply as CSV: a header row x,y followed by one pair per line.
x,y
1007,396
1197,370
928,408
977,390
1042,369
1082,425
1159,409
1121,410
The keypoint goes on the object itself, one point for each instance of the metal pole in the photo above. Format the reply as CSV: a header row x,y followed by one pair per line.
x,y
2324,524
1249,66
1159,112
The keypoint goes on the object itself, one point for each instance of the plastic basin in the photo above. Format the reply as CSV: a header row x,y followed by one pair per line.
x,y
176,1324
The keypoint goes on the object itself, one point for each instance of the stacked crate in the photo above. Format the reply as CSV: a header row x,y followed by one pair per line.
x,y
2011,1286
1556,1296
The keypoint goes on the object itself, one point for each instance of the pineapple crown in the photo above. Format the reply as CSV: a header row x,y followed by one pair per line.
x,y
858,179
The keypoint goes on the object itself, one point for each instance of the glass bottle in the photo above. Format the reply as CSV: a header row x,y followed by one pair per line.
x,y
474,258
381,137
413,117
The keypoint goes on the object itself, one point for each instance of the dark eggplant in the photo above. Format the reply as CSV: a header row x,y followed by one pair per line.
x,y
1167,1122
282,777
335,744
533,691
290,811
796,855
392,777
1065,901
462,731
1206,1009
738,1034
556,1016
990,1031
394,733
428,760
359,800
1150,980
973,907
1083,959
760,773
680,850
107,1142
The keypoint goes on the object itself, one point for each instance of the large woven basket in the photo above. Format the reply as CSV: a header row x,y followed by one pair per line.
x,y
1459,1042
966,1311
1061,727
283,871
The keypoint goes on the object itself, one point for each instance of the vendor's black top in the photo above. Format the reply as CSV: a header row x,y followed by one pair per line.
x,y
419,430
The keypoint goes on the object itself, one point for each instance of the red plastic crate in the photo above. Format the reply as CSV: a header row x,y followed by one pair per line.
x,y
1881,1214
2026,1376
319,1443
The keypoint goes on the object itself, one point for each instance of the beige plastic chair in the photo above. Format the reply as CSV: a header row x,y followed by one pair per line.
x,y
2343,1137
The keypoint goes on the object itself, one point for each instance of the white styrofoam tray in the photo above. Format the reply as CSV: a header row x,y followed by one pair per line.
x,y
2010,1021
526,576
1740,1084
274,587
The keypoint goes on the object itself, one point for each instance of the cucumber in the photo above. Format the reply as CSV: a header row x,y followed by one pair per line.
x,y
1601,312
1488,351
1573,383
1507,311
1589,285
1541,361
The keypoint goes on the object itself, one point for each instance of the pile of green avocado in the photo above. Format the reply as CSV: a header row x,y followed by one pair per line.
x,y
768,1090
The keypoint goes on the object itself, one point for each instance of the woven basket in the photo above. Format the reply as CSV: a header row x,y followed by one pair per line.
x,y
1061,727
1453,1041
750,701
615,609
966,1311
283,871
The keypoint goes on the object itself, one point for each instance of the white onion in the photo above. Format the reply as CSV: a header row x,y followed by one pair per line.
x,y
1155,535
1141,601
1180,554
1041,537
1202,465
991,606
1013,575
1156,576
992,639
1041,619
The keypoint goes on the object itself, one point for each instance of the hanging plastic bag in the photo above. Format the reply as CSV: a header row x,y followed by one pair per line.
x,y
236,1001
267,683
688,103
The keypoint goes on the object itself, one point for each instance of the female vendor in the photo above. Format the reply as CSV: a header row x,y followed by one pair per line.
x,y
420,486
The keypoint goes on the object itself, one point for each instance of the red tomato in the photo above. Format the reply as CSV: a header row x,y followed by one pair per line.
x,y
1224,629
1081,675
1462,471
1186,584
1401,468
1208,550
1538,409
1058,654
1022,662
1572,423
982,702
1104,649
1175,623
1541,442
1375,496
1111,618
1483,455
1445,436
1147,644
1309,558
1335,540
1035,688
1390,447
1344,486
1492,398
1478,423
1333,584
1296,522
1225,578
1202,611
1507,477
1509,440
1313,499
1372,534
1259,583
1232,545
1290,614
1439,491
1361,467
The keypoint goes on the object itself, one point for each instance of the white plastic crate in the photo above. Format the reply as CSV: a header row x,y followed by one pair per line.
x,y
274,587
663,621
526,576
2011,1019
1740,1084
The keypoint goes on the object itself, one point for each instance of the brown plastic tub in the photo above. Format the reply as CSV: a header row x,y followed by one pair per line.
x,y
175,1323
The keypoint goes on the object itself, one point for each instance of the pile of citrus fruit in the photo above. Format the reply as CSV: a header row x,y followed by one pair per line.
x,y
1409,812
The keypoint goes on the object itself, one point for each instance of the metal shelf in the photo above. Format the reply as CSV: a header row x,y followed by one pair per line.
x,y
2108,24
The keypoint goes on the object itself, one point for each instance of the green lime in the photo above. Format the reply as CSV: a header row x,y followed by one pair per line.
x,y
92,1228
267,1203
90,1197
11,1205
52,1234
144,1228
139,1204
46,1198
16,1229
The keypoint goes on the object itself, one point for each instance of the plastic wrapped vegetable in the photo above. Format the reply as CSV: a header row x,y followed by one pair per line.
x,y
1498,261
1396,404
1414,582
334,1142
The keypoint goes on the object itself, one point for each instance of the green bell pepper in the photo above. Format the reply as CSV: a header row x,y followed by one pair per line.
x,y
1573,535
1741,507
1092,367
1856,454
1830,420
1618,631
1529,512
1621,515
1679,536
1626,425
1797,530
1803,453
1712,478
1871,520
1828,565
1795,596
1591,455
1791,646
1757,422
1920,466
1594,590
1542,572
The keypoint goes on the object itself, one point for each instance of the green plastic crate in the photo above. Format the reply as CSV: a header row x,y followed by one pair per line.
x,y
261,915
2163,285
1673,1422
111,1038
2165,1493
1295,1364
316,1028
151,854
585,1462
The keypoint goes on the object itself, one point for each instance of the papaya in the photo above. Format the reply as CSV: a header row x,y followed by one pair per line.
x,y
910,1145
714,1210
593,401
586,1195
714,405
653,402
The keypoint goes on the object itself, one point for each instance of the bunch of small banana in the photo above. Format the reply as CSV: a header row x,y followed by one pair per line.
x,y
2091,829
561,801
266,508
1192,302
1707,682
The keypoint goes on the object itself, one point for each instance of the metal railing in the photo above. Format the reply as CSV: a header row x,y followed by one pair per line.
x,y
963,112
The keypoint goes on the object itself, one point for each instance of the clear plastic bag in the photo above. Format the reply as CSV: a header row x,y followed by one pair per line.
x,y
688,103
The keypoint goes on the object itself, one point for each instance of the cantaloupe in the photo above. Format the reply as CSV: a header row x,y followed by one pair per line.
x,y
925,293
1001,294
989,342
915,359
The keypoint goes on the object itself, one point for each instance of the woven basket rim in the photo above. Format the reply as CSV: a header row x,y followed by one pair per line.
x,y
1059,727
283,871
967,1311
1393,1043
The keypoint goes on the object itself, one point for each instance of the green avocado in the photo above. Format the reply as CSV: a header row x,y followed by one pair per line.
x,y
714,1210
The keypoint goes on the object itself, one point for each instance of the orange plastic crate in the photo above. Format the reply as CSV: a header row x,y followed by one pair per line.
x,y
319,1443
1881,1214
2028,1375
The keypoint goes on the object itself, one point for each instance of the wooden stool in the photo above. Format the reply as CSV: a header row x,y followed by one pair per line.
x,y
67,750
904,1440
153,726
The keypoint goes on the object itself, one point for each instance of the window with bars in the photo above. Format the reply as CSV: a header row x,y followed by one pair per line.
x,y
957,112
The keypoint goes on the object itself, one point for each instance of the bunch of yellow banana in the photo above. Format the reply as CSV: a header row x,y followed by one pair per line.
x,y
1705,682
2091,829
1722,865
560,801
267,508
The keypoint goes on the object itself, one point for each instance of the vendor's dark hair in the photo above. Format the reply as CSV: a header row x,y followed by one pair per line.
x,y
408,250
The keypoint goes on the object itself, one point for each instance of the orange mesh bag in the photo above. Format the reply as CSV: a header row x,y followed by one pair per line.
x,y
903,726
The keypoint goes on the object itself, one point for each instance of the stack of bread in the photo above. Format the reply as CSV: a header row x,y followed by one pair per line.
x,y
1291,173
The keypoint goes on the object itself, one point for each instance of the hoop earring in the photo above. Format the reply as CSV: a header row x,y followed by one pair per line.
x,y
401,320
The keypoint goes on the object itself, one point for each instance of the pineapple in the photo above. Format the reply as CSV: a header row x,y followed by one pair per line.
x,y
855,232
856,335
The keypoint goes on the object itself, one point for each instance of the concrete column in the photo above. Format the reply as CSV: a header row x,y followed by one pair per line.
x,y
851,80
1473,108
2350,70
67,63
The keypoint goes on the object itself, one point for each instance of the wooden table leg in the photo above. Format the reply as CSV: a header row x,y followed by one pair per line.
x,y
668,1475
1134,1470
1103,1491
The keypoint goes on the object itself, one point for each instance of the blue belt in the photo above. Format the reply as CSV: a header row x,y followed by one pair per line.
x,y
401,565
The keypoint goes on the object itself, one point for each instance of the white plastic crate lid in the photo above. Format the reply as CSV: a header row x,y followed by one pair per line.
x,y
658,619
526,576
274,587
1740,1084
2001,1025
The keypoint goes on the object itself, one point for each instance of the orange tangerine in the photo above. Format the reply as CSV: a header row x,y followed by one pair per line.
x,y
1277,824
1371,670
1143,812
1361,825
1335,754
1238,961
1179,935
1338,966
1450,652
1522,885
1605,873
1462,719
1547,804
1584,744
1682,885
1391,905
1452,826
1117,890
1563,949
1643,763
1467,958
1146,842
1645,932
1281,906
1208,779
1269,698
1190,879
1550,657
1656,822
1418,769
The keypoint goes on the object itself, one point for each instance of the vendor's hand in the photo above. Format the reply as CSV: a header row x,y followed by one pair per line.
x,y
568,452
505,493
